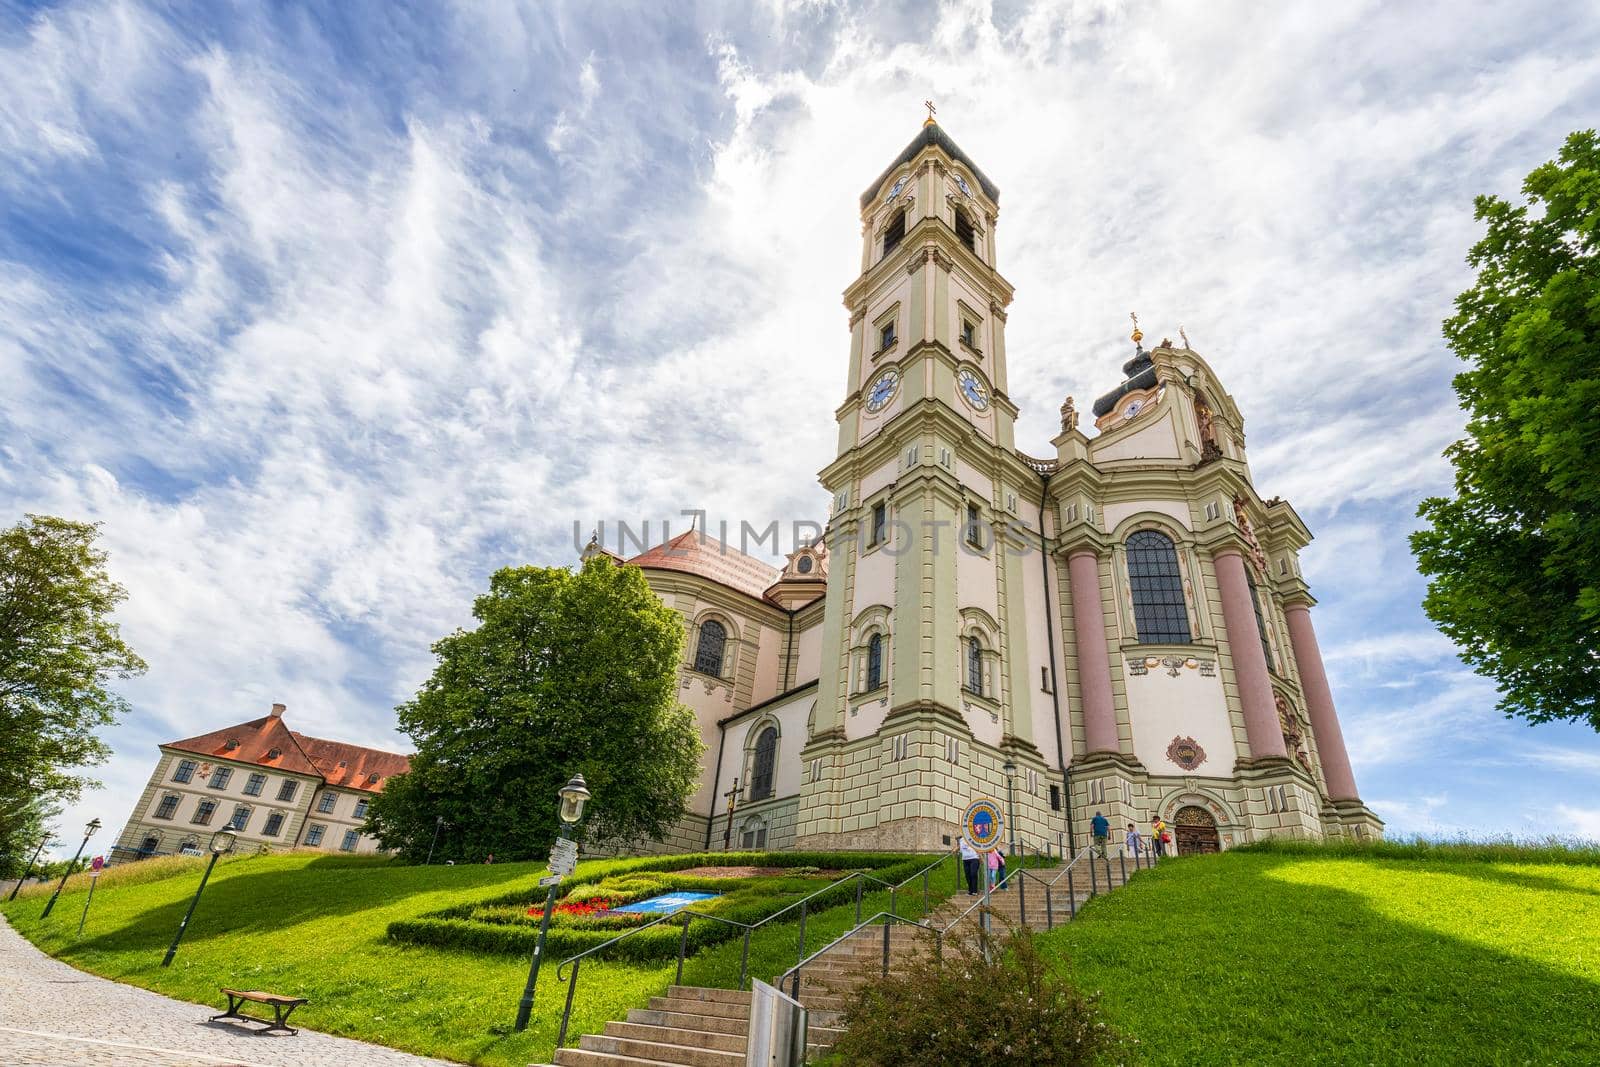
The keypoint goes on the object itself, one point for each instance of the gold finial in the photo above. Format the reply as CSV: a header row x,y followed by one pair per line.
x,y
1138,334
931,109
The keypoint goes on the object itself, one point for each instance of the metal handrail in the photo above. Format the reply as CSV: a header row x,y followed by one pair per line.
x,y
685,915
890,919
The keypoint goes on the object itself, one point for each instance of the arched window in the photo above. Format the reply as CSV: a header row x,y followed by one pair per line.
x,y
1159,610
974,666
766,760
895,233
708,653
753,834
964,231
1261,621
874,661
149,845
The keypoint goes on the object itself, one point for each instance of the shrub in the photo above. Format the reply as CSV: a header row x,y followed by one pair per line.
x,y
1018,1008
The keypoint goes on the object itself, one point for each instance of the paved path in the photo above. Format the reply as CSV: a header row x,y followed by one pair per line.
x,y
52,1015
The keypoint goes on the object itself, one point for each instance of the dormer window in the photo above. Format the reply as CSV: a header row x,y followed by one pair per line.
x,y
372,779
343,764
231,744
964,231
895,233
886,337
274,753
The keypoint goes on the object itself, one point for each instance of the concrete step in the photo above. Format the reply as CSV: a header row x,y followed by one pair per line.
x,y
661,1052
700,992
674,1035
582,1057
719,1024
696,1006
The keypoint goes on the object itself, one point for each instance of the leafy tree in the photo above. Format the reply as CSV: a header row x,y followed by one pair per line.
x,y
1514,555
58,650
565,673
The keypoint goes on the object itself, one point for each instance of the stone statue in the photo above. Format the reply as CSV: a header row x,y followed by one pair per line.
x,y
1069,416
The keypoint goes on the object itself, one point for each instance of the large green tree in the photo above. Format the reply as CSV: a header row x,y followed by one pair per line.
x,y
1514,556
566,672
59,650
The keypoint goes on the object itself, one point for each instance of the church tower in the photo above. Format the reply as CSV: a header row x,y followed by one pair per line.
x,y
933,682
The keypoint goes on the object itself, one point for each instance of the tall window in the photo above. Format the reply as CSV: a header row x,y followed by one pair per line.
x,y
969,333
974,526
880,523
325,805
350,839
255,785
361,808
895,233
286,790
203,812
1159,609
886,337
314,835
219,778
708,653
974,666
184,772
168,807
964,231
274,824
874,661
241,816
1261,622
766,758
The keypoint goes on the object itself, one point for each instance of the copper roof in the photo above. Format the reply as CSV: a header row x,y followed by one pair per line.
x,y
701,554
267,742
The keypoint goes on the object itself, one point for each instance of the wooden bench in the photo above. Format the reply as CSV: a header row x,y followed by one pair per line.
x,y
282,1007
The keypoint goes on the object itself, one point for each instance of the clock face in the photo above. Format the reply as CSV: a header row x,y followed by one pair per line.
x,y
899,185
972,389
882,390
1133,409
964,187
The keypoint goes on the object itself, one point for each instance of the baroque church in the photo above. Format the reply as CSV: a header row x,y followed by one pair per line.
x,y
1119,625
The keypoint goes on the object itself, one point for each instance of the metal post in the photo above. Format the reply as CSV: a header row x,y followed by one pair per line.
x,y
438,824
172,949
1022,897
886,926
1122,862
983,925
1049,909
566,1013
924,892
858,900
1072,896
94,879
1094,886
525,1007
1107,861
43,841
65,875
893,910
683,946
801,955
744,958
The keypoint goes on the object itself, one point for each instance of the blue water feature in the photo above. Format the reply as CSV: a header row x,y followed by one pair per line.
x,y
667,903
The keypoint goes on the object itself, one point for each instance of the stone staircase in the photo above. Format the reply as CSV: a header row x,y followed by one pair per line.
x,y
695,1026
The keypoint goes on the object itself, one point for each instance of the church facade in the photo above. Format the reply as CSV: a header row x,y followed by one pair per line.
x,y
1117,625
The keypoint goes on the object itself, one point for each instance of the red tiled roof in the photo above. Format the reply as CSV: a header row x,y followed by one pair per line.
x,y
352,766
252,742
704,555
336,762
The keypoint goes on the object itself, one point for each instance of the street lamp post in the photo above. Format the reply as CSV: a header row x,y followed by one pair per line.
x,y
88,832
438,824
43,841
573,797
94,880
1011,805
221,841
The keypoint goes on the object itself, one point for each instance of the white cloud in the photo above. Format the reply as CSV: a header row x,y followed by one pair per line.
x,y
1578,822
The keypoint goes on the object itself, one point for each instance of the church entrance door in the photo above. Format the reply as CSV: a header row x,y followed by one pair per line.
x,y
1196,831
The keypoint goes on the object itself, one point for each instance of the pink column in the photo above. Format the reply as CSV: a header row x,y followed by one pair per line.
x,y
1094,665
1319,702
1261,724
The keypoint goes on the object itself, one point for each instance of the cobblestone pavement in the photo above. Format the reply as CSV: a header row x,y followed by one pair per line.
x,y
52,1015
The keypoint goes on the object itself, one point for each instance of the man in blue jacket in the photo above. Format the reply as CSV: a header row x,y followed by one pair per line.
x,y
1100,827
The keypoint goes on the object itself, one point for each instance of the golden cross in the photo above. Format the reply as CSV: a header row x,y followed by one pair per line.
x,y
931,109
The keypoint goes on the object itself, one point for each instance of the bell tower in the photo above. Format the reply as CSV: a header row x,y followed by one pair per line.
x,y
923,696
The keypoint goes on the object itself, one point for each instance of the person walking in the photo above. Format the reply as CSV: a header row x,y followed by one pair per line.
x,y
969,864
1133,842
1100,827
995,863
1158,836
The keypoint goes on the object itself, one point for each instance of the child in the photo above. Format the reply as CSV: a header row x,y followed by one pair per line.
x,y
1133,841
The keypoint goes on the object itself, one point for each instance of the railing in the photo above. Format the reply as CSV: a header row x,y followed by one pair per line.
x,y
890,919
686,915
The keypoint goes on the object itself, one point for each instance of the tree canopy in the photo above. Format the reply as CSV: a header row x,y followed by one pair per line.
x,y
58,651
1514,556
567,672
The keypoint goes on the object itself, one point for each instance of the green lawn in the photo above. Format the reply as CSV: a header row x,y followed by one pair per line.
x,y
1306,954
316,926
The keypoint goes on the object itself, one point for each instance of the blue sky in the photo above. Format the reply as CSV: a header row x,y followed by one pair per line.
x,y
327,312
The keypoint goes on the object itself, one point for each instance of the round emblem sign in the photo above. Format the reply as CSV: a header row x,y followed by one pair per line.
x,y
983,825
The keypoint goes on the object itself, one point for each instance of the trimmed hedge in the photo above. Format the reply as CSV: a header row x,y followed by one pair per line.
x,y
499,925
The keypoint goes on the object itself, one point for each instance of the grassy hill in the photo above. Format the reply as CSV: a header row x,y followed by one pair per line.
x,y
1392,954
317,926
1325,955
